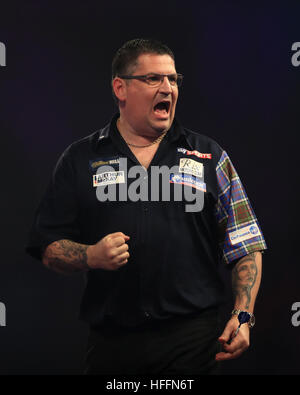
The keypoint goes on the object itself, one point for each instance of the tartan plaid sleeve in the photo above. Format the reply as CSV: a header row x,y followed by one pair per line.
x,y
239,231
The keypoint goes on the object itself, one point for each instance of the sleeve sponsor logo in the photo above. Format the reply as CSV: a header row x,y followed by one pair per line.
x,y
190,166
245,233
196,153
108,178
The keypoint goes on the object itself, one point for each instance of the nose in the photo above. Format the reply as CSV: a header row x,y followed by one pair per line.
x,y
165,86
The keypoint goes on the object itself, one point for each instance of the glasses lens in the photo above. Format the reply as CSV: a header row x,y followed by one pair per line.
x,y
154,79
157,79
179,79
172,79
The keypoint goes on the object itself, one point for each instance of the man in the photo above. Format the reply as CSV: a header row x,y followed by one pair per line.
x,y
152,265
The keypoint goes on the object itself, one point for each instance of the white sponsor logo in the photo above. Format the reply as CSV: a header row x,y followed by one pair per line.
x,y
245,233
108,178
188,180
190,166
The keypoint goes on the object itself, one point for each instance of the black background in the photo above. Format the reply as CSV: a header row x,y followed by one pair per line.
x,y
240,88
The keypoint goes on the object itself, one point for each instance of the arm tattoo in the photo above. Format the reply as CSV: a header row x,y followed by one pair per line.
x,y
244,276
66,256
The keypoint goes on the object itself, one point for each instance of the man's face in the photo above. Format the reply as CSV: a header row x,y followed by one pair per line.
x,y
141,107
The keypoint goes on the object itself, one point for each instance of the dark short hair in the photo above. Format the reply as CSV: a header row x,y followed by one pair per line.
x,y
126,57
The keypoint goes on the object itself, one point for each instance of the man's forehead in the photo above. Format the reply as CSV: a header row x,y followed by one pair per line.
x,y
155,63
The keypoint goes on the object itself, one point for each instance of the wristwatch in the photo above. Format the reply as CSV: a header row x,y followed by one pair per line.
x,y
250,319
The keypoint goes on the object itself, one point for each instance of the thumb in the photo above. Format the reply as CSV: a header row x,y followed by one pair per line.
x,y
226,335
118,234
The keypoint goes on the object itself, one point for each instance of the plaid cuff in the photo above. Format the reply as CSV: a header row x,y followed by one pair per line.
x,y
239,230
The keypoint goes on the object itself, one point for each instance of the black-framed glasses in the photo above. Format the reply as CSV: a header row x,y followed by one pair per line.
x,y
154,79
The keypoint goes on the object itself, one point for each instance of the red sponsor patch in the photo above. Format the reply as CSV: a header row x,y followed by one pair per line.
x,y
196,153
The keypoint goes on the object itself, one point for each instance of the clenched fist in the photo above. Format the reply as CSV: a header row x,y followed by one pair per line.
x,y
110,253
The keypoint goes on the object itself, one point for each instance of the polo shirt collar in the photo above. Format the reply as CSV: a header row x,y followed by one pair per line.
x,y
177,131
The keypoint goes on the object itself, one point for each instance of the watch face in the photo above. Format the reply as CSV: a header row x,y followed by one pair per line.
x,y
243,317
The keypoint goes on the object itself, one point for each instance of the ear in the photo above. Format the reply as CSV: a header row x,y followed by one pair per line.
x,y
119,88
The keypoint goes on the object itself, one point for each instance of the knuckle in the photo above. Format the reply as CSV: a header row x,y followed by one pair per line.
x,y
107,242
119,240
111,254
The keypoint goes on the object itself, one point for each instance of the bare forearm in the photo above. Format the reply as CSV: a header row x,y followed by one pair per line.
x,y
246,277
66,256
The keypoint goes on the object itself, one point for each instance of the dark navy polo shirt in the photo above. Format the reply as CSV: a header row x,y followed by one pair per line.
x,y
173,269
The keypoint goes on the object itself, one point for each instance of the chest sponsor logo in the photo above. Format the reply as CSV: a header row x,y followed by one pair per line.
x,y
245,233
196,153
94,164
108,178
190,166
188,180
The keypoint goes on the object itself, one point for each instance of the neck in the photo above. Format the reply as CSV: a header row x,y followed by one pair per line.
x,y
134,137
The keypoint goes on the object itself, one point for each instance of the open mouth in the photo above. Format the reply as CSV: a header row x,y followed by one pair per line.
x,y
162,108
